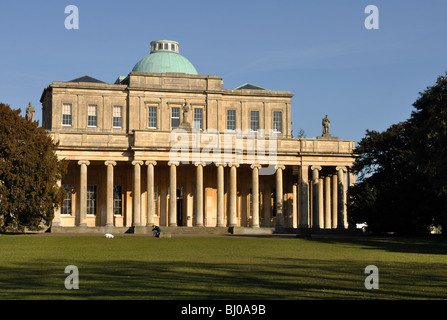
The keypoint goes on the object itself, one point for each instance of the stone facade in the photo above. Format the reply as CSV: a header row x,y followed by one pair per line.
x,y
177,149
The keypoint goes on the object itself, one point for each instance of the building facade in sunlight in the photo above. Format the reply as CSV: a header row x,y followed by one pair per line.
x,y
165,145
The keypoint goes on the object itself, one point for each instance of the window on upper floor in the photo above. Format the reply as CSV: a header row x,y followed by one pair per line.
x,y
175,117
277,121
152,117
254,120
92,117
66,114
117,121
198,118
231,120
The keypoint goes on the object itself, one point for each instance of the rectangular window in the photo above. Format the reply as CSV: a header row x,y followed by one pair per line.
x,y
277,121
92,119
66,114
254,121
66,204
198,118
156,200
175,117
152,117
117,117
117,200
91,200
231,119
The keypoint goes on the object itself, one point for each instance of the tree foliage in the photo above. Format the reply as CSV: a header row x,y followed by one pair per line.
x,y
29,171
403,171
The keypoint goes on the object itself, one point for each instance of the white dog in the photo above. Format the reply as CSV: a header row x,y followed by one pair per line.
x,y
109,235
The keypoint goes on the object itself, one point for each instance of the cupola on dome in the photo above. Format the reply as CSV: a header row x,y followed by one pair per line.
x,y
164,57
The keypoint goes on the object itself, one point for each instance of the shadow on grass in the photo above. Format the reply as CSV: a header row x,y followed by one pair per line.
x,y
283,280
417,245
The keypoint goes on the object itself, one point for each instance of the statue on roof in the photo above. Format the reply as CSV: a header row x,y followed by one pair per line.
x,y
326,123
185,123
30,111
185,110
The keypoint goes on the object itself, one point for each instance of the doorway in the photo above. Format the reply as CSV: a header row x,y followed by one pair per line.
x,y
179,206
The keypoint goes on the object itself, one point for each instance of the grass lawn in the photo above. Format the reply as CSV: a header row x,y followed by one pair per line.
x,y
138,267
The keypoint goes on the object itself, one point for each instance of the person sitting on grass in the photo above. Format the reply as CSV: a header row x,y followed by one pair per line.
x,y
156,231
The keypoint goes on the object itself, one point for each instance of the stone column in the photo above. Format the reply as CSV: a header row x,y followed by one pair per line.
x,y
172,219
321,201
199,193
341,191
136,205
294,206
233,195
279,196
255,195
304,197
83,193
334,201
57,212
315,197
150,193
327,202
220,195
109,193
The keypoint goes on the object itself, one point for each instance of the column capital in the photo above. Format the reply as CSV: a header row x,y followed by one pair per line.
x,y
280,166
341,168
223,164
173,163
233,165
110,162
255,165
315,168
135,162
86,162
199,163
151,162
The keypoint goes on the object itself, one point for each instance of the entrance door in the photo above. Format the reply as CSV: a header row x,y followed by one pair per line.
x,y
180,207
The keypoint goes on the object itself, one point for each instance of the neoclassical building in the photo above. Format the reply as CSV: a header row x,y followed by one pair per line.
x,y
168,146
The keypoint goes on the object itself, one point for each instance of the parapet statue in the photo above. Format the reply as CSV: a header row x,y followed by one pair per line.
x,y
30,113
186,125
326,123
326,135
185,110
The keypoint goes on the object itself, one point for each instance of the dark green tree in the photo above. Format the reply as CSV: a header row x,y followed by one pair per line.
x,y
387,195
29,171
429,144
402,172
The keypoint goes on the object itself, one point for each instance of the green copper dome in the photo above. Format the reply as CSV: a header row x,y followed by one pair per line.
x,y
164,57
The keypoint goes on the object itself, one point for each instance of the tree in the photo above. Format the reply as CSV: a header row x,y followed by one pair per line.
x,y
387,196
402,171
29,171
429,144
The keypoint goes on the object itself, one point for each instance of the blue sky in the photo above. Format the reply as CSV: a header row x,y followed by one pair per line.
x,y
318,50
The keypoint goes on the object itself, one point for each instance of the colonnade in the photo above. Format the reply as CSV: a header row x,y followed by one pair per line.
x,y
318,201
